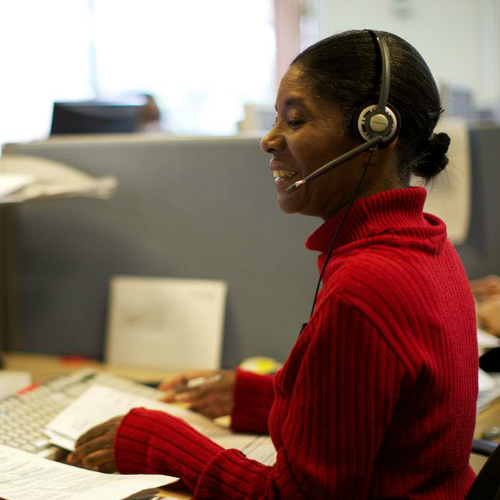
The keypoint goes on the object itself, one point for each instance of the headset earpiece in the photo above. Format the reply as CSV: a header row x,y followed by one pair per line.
x,y
378,118
370,122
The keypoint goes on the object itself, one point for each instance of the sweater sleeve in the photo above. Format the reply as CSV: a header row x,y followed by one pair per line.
x,y
333,406
253,398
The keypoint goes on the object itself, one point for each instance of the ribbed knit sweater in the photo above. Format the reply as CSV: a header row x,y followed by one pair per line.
x,y
377,398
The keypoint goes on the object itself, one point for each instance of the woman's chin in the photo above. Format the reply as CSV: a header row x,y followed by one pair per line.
x,y
288,205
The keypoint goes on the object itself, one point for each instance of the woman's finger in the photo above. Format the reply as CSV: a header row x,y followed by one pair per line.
x,y
172,383
108,467
195,388
192,395
179,381
214,406
98,431
96,460
82,451
92,434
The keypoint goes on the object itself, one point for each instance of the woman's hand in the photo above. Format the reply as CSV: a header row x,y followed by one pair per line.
x,y
94,449
210,393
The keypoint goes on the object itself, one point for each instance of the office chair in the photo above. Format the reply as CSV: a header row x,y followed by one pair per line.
x,y
487,483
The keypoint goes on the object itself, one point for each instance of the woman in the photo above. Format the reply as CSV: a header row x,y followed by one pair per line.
x,y
377,398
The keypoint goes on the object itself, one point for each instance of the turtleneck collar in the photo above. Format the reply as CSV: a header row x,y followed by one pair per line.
x,y
381,212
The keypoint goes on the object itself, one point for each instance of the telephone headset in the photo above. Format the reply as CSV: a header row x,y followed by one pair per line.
x,y
375,123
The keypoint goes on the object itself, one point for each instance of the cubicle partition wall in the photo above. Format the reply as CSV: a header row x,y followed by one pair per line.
x,y
481,251
192,208
185,208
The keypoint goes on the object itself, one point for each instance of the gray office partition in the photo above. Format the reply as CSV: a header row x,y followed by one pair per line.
x,y
184,208
481,251
192,208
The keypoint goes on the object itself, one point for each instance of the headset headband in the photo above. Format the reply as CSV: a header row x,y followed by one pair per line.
x,y
386,70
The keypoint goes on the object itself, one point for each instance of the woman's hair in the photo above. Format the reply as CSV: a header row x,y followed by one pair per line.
x,y
345,69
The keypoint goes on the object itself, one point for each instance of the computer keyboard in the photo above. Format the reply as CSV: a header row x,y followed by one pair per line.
x,y
24,417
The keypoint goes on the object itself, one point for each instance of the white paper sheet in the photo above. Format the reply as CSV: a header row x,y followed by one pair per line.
x,y
100,403
489,389
49,179
11,382
10,183
487,341
25,476
158,322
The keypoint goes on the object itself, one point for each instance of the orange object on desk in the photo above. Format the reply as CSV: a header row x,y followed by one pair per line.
x,y
76,359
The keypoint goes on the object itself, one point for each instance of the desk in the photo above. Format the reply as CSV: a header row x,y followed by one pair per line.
x,y
44,367
489,417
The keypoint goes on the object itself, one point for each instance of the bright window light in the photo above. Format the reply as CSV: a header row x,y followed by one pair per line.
x,y
45,47
201,59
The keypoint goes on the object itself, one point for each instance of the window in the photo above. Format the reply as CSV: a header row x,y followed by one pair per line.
x,y
45,46
201,59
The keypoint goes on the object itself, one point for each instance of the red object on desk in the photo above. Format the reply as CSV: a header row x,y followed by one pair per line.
x,y
29,388
75,359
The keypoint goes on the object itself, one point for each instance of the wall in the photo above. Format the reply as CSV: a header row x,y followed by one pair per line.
x,y
194,208
459,39
480,253
185,208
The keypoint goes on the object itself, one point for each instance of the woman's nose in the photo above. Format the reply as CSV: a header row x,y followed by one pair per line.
x,y
272,141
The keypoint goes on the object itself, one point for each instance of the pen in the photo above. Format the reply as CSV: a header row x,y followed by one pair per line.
x,y
196,382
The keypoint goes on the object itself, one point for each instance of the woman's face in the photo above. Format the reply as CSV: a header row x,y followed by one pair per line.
x,y
308,133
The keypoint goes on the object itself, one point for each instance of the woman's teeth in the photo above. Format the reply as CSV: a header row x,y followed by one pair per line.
x,y
279,174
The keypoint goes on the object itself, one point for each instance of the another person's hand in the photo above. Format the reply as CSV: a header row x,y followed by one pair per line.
x,y
94,449
487,287
210,393
488,313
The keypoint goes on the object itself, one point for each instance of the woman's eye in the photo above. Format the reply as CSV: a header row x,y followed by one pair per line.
x,y
295,122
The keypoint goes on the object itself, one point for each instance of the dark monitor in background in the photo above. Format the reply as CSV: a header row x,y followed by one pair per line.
x,y
96,117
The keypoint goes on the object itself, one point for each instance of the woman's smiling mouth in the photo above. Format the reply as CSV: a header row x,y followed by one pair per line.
x,y
283,174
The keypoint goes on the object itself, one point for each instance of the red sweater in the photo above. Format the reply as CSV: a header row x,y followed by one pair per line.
x,y
377,398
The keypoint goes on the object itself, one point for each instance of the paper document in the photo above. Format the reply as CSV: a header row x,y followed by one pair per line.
x,y
26,476
49,179
11,382
489,389
100,403
10,183
486,341
172,322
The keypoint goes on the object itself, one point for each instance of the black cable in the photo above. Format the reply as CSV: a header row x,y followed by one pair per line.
x,y
351,201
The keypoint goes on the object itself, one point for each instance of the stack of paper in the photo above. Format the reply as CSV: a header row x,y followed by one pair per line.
x,y
489,389
23,476
100,403
10,183
486,341
29,178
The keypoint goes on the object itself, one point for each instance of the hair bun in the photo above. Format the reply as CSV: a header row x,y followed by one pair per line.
x,y
440,143
434,159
